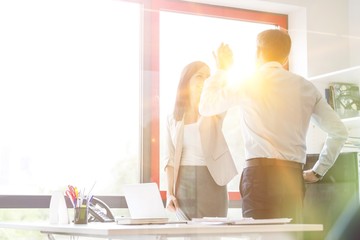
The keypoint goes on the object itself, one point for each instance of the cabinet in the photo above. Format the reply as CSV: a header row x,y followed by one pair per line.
x,y
349,75
327,201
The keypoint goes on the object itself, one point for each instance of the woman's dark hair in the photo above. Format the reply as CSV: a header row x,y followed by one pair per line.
x,y
182,102
274,44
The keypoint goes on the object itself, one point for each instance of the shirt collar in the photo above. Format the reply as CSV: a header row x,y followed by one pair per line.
x,y
270,65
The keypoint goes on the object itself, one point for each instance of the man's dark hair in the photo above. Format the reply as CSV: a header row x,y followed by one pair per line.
x,y
274,45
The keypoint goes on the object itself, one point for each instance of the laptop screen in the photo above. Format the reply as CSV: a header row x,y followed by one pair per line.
x,y
144,201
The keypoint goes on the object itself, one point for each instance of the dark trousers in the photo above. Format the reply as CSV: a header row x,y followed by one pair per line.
x,y
272,191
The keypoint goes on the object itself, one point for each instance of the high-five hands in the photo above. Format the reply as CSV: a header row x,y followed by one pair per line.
x,y
224,57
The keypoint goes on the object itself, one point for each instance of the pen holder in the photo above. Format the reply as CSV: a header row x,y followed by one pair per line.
x,y
81,215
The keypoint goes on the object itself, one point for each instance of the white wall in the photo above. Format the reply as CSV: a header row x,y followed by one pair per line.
x,y
327,35
354,32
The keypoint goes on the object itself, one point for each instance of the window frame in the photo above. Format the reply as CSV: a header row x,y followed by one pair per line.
x,y
149,92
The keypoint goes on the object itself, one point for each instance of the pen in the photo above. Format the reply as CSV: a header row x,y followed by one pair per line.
x,y
79,202
89,199
91,189
71,193
72,202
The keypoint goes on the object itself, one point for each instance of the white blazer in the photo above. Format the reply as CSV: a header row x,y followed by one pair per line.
x,y
215,149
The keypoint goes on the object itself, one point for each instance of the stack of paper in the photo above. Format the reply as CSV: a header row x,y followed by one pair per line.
x,y
243,221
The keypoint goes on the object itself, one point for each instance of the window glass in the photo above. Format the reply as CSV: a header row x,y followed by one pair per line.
x,y
69,95
202,35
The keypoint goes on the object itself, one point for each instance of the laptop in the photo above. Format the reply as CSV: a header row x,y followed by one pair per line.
x,y
145,205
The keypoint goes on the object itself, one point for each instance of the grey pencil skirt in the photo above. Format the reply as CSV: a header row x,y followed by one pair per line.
x,y
198,194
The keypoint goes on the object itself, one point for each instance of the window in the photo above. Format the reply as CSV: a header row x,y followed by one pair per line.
x,y
69,95
191,32
84,85
180,46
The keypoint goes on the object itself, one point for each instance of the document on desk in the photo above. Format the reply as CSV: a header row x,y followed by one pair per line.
x,y
139,221
239,221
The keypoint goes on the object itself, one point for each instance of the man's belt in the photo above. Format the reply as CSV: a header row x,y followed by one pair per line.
x,y
267,162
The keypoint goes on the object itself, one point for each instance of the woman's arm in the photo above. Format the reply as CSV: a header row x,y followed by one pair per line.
x,y
171,202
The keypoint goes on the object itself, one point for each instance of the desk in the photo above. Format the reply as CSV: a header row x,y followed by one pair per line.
x,y
193,231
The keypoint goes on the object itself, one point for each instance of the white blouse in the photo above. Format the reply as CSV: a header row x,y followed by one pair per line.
x,y
192,153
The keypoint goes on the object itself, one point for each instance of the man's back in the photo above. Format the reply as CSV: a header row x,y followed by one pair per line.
x,y
277,106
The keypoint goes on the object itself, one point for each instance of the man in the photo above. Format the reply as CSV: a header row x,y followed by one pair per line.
x,y
276,107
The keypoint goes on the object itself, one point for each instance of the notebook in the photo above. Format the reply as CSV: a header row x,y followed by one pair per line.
x,y
144,203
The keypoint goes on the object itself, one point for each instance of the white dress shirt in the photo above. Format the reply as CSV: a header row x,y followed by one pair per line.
x,y
277,107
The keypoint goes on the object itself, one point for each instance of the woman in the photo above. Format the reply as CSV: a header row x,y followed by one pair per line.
x,y
198,162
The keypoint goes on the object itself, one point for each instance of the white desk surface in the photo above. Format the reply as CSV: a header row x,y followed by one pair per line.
x,y
112,230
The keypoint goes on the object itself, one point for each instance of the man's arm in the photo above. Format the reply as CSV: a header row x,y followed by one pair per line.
x,y
214,97
328,120
217,96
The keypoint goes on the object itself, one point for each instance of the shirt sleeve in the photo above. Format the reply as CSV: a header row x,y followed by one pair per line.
x,y
327,119
217,95
169,149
